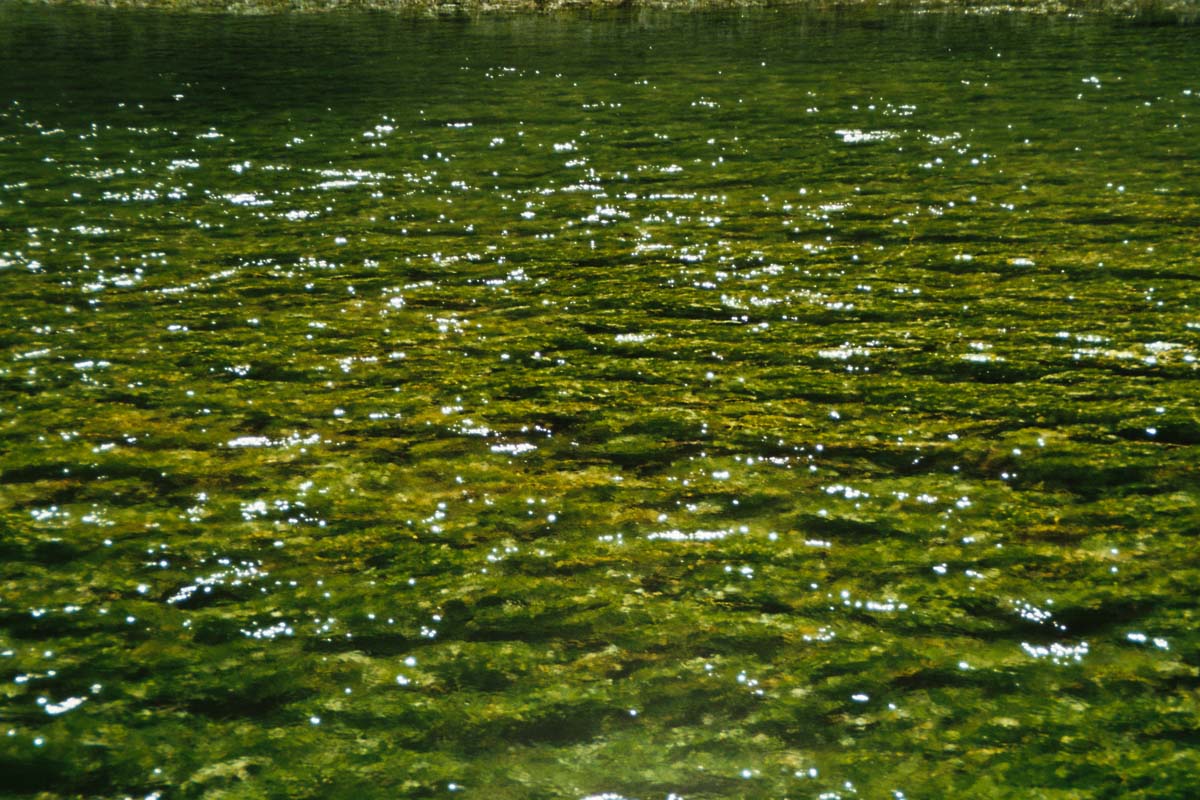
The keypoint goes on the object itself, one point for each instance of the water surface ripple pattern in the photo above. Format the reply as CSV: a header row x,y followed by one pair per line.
x,y
720,406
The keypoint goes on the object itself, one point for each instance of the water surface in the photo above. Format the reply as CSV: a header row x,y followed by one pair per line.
x,y
717,406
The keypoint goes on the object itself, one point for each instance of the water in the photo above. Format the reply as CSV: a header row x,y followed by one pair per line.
x,y
718,406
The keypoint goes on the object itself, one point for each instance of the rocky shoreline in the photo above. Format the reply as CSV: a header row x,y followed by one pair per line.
x,y
1179,10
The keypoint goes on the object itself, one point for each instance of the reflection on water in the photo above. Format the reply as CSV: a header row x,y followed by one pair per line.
x,y
749,405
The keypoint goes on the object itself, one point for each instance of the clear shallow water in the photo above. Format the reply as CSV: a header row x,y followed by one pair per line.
x,y
763,405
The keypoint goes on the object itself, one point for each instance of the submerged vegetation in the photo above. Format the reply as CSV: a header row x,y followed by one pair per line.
x,y
716,406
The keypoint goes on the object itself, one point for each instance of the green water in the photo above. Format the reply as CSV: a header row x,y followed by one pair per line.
x,y
738,406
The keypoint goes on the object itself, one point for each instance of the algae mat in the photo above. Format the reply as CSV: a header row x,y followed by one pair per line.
x,y
638,406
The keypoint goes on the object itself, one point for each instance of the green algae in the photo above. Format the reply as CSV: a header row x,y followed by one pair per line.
x,y
729,406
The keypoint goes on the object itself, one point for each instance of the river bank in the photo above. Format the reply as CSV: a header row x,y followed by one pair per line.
x,y
1179,10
